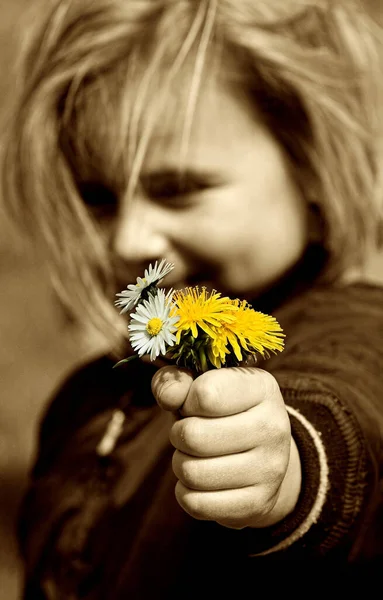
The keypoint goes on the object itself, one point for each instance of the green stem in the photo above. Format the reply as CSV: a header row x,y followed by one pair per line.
x,y
203,360
125,360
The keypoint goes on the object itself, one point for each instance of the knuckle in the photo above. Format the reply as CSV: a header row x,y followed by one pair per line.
x,y
190,502
274,460
269,384
269,431
205,393
266,500
175,434
282,431
192,434
185,470
275,429
187,435
278,468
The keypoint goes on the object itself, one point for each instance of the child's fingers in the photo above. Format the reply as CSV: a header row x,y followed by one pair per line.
x,y
170,387
235,508
202,437
217,393
228,391
252,467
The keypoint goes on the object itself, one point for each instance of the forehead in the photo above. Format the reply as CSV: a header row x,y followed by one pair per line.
x,y
194,119
221,121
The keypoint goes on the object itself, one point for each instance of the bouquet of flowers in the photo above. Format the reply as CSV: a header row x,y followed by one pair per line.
x,y
195,328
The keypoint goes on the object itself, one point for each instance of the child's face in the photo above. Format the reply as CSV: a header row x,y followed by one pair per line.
x,y
241,223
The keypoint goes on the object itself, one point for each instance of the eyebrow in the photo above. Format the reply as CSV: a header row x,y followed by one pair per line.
x,y
183,177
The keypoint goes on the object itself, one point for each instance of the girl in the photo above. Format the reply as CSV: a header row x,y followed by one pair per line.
x,y
240,141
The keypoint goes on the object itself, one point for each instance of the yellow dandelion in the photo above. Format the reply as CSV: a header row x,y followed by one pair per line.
x,y
250,331
256,331
218,347
198,308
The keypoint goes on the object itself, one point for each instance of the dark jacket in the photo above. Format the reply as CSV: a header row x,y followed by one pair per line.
x,y
109,528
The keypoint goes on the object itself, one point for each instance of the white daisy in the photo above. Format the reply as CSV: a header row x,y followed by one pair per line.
x,y
152,327
130,296
152,276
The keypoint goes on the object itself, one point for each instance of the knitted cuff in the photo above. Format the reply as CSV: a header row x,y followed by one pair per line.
x,y
333,479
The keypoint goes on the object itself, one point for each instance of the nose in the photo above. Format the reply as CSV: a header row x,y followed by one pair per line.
x,y
138,236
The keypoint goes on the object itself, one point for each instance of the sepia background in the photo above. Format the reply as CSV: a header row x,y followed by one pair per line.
x,y
36,352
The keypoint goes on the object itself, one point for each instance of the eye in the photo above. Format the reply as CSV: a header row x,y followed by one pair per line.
x,y
100,199
171,186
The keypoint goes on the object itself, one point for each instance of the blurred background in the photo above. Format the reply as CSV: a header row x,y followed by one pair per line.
x,y
36,351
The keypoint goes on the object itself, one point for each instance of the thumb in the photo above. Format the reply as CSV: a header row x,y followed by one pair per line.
x,y
170,387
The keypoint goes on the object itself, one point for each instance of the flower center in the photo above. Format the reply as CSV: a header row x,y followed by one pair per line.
x,y
154,326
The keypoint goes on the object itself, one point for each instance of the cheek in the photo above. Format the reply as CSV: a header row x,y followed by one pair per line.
x,y
223,241
210,229
239,229
247,238
256,250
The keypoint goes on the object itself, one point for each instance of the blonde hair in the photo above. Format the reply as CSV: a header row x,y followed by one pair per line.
x,y
312,67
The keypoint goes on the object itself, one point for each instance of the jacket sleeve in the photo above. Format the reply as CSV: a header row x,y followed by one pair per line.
x,y
331,378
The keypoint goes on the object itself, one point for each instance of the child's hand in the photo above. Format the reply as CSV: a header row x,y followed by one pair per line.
x,y
235,459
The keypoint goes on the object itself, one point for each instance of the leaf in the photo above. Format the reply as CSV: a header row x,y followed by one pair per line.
x,y
125,360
